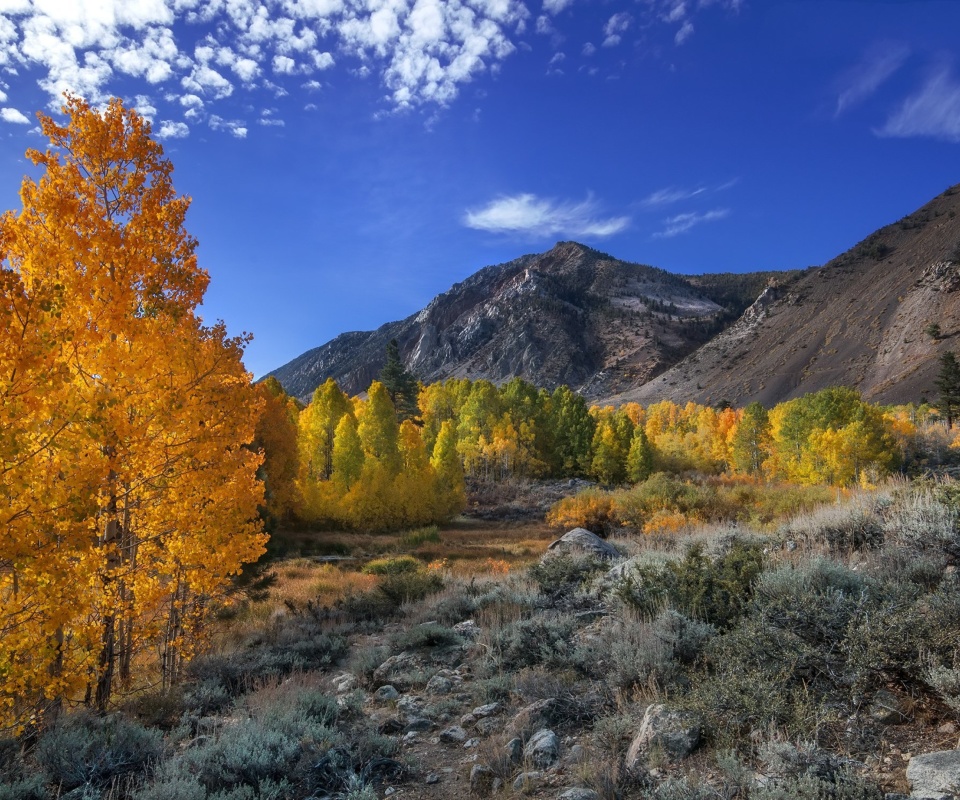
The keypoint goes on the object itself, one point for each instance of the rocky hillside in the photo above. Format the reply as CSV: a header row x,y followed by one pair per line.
x,y
570,316
863,319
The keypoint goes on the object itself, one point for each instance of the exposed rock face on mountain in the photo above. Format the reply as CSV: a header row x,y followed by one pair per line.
x,y
569,316
863,320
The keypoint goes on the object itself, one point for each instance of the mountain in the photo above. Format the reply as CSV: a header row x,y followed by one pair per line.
x,y
860,320
570,316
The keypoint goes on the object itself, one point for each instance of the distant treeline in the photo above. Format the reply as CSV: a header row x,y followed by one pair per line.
x,y
362,463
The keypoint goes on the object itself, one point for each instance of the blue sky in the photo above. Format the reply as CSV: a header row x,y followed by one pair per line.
x,y
350,159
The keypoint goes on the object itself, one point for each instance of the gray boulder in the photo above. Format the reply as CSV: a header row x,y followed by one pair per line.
x,y
935,776
675,733
482,780
578,793
580,540
543,749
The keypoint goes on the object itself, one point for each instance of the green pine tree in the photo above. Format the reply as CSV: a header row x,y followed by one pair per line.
x,y
948,387
400,384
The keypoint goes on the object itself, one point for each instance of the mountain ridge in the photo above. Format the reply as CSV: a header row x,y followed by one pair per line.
x,y
572,315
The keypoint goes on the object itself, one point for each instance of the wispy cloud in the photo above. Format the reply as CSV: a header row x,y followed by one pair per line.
x,y
932,112
665,197
529,215
14,116
877,67
681,223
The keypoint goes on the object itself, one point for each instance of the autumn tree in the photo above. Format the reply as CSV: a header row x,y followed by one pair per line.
x,y
751,442
640,456
276,438
129,496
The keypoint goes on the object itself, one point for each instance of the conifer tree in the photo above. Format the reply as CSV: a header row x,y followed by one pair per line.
x,y
948,387
400,384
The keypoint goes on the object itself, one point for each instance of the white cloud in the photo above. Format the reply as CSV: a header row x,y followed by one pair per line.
x,y
932,112
235,128
663,197
615,27
170,129
145,107
14,116
681,223
685,32
422,51
870,74
530,215
589,49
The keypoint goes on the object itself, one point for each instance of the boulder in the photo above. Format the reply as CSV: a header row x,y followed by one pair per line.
x,y
580,540
387,693
578,793
453,735
542,749
526,782
675,733
532,717
481,780
935,776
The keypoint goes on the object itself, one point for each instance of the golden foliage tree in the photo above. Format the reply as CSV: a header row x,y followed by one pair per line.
x,y
128,495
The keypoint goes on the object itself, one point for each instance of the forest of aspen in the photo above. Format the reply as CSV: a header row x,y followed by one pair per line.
x,y
141,467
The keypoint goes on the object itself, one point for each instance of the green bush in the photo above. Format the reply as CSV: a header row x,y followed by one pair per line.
x,y
545,639
425,636
392,565
408,587
715,591
415,538
564,573
85,750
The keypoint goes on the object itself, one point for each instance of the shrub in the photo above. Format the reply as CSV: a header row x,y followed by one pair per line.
x,y
627,655
83,749
592,509
392,565
427,635
415,538
544,639
715,591
564,573
842,528
408,587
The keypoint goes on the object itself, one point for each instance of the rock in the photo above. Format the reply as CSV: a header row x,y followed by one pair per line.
x,y
410,705
526,781
481,780
467,720
934,776
676,733
453,735
439,685
345,683
468,629
947,728
418,724
543,749
471,743
580,540
532,717
387,693
514,750
487,726
432,778
395,669
487,711
888,709
578,793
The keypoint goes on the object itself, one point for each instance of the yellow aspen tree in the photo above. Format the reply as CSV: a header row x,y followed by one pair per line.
x,y
130,475
378,429
276,437
348,454
318,423
451,495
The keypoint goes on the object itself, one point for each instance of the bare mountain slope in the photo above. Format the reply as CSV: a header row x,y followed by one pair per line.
x,y
858,321
570,316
